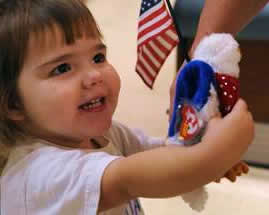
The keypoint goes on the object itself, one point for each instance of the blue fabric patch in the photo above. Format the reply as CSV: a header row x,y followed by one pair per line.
x,y
192,85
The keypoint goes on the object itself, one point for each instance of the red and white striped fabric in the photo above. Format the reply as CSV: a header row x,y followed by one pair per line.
x,y
156,39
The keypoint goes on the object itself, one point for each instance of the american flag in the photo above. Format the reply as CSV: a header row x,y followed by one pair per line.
x,y
156,39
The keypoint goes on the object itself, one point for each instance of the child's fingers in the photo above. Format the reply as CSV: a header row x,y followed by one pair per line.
x,y
245,168
242,167
240,105
231,175
240,110
238,168
242,122
217,180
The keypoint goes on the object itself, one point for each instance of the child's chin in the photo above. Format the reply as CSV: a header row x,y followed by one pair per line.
x,y
103,129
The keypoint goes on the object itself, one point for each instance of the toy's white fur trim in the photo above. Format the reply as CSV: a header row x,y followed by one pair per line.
x,y
211,108
196,199
221,51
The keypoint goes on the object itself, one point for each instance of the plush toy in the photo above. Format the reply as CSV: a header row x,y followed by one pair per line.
x,y
207,86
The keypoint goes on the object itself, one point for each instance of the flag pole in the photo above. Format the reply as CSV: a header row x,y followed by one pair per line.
x,y
183,40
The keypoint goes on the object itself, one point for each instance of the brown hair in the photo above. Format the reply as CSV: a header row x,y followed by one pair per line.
x,y
20,20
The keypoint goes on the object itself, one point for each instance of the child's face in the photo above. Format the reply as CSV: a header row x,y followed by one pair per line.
x,y
69,92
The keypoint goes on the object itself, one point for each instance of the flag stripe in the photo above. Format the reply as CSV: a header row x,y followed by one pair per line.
x,y
153,52
168,40
157,50
146,71
149,61
164,42
144,75
154,25
146,64
154,29
172,34
153,38
151,12
151,16
151,57
161,47
153,21
154,32
143,69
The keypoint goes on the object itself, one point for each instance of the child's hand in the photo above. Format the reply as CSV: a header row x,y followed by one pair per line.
x,y
237,170
231,137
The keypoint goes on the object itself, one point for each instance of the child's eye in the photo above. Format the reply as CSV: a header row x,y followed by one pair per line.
x,y
62,68
99,58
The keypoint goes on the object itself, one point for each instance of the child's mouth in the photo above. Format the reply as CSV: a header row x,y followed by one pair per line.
x,y
93,105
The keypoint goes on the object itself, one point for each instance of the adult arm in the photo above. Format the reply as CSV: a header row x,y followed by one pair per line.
x,y
228,16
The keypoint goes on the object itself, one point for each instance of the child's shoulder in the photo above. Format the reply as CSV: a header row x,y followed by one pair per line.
x,y
120,132
47,171
41,154
40,161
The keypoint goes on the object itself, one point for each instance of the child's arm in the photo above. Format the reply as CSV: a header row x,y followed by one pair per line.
x,y
172,170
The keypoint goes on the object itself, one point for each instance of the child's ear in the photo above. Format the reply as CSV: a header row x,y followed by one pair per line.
x,y
16,115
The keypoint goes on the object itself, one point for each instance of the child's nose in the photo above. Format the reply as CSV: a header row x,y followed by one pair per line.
x,y
91,78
